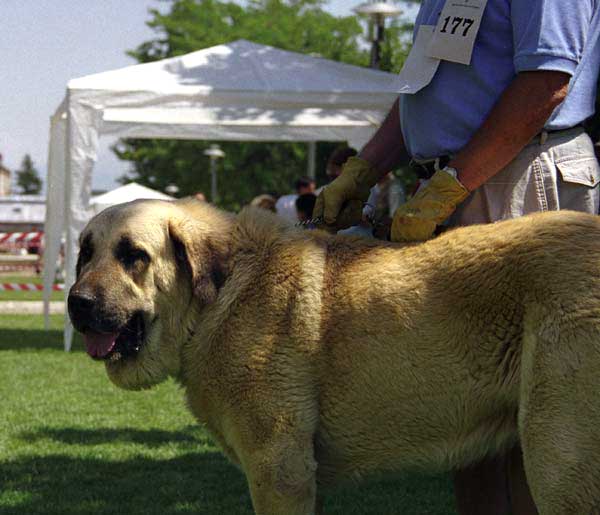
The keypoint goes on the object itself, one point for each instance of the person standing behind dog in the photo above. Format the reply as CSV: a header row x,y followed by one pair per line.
x,y
494,122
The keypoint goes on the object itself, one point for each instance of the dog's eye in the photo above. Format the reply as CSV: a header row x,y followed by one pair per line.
x,y
130,255
134,256
85,254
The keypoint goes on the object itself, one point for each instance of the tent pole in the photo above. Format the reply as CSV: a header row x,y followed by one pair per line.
x,y
312,160
214,153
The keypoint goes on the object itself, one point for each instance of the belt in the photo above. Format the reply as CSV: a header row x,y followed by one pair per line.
x,y
425,169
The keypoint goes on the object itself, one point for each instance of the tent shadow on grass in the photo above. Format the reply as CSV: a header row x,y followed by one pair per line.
x,y
149,438
193,482
24,340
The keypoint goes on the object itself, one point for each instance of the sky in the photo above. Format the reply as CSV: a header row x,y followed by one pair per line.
x,y
44,44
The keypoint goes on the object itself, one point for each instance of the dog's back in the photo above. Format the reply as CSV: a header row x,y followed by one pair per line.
x,y
421,346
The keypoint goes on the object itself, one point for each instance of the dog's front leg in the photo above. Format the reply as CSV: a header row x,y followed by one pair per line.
x,y
282,477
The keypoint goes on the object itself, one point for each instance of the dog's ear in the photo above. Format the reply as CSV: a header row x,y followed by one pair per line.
x,y
197,257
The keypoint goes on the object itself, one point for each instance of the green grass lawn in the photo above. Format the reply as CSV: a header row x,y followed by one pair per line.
x,y
71,443
25,295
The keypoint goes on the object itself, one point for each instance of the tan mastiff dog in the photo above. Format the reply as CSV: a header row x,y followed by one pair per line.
x,y
312,358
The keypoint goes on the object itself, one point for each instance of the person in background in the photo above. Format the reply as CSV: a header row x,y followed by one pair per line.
x,y
495,126
305,205
286,204
264,201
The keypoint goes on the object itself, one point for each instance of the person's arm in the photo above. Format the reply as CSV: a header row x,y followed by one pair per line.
x,y
518,116
386,150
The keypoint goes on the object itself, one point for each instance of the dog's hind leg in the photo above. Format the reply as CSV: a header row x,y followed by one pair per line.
x,y
559,417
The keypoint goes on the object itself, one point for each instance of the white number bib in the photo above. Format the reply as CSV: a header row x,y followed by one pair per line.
x,y
457,28
418,69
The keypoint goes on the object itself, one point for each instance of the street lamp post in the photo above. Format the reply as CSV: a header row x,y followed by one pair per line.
x,y
377,12
214,153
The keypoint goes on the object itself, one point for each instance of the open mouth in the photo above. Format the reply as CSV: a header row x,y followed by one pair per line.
x,y
125,343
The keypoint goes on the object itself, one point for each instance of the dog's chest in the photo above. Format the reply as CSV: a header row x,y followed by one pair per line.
x,y
210,413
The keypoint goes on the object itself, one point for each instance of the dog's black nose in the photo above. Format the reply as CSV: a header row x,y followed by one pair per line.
x,y
81,303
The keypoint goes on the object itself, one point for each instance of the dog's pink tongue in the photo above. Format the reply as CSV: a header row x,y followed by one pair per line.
x,y
99,345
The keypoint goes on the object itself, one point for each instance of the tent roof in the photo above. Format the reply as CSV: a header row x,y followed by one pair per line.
x,y
131,191
241,66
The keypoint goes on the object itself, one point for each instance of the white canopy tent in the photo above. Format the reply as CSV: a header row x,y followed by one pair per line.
x,y
126,193
240,91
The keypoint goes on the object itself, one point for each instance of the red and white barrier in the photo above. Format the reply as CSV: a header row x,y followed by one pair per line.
x,y
13,242
21,237
28,287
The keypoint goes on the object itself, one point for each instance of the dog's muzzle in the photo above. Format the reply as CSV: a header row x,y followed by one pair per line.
x,y
106,337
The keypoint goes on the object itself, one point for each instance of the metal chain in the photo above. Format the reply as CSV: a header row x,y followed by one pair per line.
x,y
319,220
310,221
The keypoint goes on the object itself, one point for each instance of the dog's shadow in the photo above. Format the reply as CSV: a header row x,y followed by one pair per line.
x,y
180,473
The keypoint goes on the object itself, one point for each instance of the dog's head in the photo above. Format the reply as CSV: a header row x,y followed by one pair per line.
x,y
145,270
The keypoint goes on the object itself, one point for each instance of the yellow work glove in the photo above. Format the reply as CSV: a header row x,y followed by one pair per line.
x,y
435,202
340,203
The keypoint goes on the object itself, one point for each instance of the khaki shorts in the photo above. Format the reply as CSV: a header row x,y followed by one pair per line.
x,y
561,172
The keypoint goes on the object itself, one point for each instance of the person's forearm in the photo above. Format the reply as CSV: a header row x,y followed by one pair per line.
x,y
519,115
386,149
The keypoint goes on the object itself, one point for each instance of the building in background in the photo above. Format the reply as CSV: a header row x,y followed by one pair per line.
x,y
22,213
4,179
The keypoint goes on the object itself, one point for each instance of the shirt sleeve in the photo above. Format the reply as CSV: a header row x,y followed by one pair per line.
x,y
550,34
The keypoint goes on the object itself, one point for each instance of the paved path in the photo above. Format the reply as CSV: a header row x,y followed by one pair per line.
x,y
30,307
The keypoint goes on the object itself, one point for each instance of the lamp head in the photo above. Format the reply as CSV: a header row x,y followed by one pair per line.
x,y
377,10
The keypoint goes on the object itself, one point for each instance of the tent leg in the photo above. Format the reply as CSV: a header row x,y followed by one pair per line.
x,y
312,160
213,181
68,334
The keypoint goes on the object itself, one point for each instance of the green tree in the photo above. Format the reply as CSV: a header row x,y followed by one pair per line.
x,y
28,178
296,25
249,169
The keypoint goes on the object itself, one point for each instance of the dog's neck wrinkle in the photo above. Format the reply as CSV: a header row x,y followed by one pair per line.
x,y
184,332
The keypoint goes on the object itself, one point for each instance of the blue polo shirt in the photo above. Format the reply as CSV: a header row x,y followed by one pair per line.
x,y
515,36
